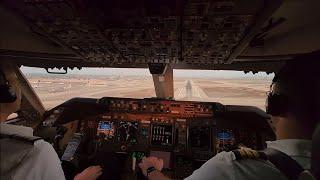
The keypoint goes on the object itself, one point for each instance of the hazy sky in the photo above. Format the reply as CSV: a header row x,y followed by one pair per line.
x,y
145,72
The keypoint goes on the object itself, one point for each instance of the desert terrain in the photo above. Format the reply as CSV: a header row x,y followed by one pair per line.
x,y
54,90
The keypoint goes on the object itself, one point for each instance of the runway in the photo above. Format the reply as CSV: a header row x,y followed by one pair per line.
x,y
190,92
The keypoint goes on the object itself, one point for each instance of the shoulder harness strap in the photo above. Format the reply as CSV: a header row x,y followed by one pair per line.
x,y
284,163
30,140
247,153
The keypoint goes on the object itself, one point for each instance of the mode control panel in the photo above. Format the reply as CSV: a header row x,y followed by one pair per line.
x,y
159,106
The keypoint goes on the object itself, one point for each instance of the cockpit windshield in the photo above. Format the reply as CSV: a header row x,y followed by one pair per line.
x,y
227,87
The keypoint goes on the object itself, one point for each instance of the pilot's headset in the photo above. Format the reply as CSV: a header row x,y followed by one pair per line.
x,y
277,104
7,92
295,89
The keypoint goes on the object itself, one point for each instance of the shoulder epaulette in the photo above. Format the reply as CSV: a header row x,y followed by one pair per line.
x,y
247,153
31,139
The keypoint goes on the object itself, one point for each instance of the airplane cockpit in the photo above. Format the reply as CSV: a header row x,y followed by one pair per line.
x,y
161,36
185,134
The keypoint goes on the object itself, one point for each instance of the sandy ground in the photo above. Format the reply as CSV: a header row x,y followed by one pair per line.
x,y
54,90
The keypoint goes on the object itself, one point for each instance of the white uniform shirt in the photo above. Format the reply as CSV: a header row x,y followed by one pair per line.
x,y
225,166
20,160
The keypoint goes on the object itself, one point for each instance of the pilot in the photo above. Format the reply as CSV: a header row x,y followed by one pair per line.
x,y
293,103
23,156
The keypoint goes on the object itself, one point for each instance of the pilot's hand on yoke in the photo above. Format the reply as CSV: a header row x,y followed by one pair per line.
x,y
90,173
149,162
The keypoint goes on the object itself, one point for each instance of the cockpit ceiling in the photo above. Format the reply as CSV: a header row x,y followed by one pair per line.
x,y
194,34
108,32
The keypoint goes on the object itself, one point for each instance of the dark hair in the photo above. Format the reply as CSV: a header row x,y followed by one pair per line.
x,y
299,82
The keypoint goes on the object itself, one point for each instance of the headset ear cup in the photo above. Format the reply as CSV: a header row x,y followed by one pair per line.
x,y
277,105
7,94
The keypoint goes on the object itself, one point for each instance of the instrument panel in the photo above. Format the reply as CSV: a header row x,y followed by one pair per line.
x,y
152,124
183,133
183,127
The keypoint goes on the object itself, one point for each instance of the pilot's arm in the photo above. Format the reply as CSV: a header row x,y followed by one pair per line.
x,y
216,168
42,162
151,167
223,166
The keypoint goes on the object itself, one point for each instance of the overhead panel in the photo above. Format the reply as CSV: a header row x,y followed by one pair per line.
x,y
115,32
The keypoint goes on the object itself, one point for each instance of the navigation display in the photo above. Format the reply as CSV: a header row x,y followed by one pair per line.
x,y
106,129
225,140
224,135
128,132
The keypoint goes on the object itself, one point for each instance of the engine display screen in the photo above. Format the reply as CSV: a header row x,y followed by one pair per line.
x,y
106,129
225,140
161,135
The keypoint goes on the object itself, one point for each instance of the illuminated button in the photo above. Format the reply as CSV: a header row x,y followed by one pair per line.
x,y
133,141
